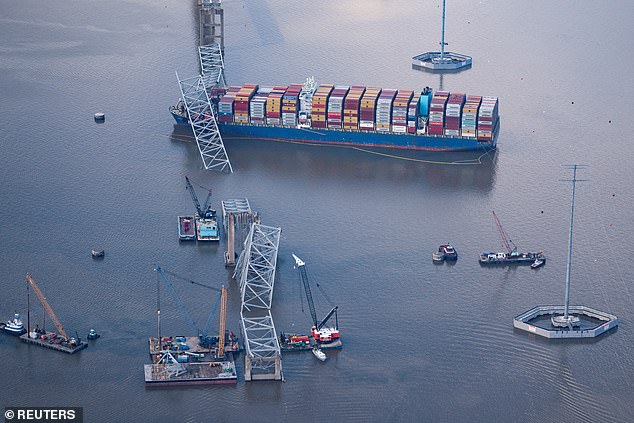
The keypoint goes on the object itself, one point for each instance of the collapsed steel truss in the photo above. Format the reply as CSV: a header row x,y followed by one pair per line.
x,y
255,272
262,348
204,125
256,267
212,66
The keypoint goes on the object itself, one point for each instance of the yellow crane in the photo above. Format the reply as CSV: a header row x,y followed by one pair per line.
x,y
31,282
223,323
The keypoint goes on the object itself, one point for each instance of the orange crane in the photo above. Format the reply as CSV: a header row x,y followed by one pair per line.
x,y
31,282
223,323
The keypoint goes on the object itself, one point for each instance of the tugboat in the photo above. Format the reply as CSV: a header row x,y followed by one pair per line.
x,y
450,253
92,334
14,327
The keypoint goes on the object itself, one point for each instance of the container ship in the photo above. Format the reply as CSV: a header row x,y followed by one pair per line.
x,y
355,116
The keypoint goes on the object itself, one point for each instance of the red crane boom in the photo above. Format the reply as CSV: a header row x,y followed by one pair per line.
x,y
30,281
505,239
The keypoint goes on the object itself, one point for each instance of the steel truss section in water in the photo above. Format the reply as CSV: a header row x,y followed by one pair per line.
x,y
202,119
262,349
255,269
212,66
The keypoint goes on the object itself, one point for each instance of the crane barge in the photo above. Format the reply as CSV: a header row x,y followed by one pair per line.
x,y
203,226
511,256
324,337
191,360
59,341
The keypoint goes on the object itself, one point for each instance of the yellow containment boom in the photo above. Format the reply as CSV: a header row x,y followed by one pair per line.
x,y
30,281
223,323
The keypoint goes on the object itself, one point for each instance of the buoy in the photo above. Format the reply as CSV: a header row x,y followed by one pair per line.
x,y
100,116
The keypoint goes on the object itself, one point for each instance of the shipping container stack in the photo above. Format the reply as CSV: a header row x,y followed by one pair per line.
x,y
335,106
487,118
225,105
384,110
470,116
274,105
453,114
241,103
399,111
257,107
368,108
320,103
351,107
290,105
412,115
437,113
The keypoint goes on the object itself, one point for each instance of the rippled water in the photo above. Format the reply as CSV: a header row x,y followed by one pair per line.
x,y
422,342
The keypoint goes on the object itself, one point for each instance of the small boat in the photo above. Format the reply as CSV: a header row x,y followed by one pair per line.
x,y
321,356
537,263
14,327
97,252
92,334
449,251
438,257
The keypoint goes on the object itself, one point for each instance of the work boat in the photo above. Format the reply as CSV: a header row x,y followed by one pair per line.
x,y
321,356
15,326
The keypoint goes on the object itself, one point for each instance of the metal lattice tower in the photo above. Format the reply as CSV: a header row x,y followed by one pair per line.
x,y
262,358
202,119
212,23
255,272
256,267
212,66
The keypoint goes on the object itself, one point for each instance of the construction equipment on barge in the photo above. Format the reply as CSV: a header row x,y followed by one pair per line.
x,y
206,223
192,360
511,256
56,341
324,337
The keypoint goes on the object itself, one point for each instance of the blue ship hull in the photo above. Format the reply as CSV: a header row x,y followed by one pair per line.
x,y
356,138
352,138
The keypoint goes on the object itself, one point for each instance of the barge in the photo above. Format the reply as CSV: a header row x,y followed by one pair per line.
x,y
489,258
186,228
186,360
207,229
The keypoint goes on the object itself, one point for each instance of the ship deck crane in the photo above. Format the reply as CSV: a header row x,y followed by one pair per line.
x,y
320,333
31,283
205,211
510,246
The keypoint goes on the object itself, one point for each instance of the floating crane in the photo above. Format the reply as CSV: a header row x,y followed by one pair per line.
x,y
204,338
510,246
206,224
325,337
31,283
205,211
